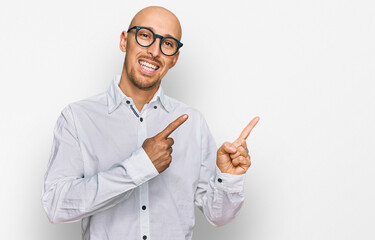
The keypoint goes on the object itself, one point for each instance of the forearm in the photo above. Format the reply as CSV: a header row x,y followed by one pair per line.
x,y
69,198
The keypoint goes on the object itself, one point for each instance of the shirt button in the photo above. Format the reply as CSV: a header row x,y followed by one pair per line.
x,y
143,207
127,101
219,180
144,237
141,119
155,107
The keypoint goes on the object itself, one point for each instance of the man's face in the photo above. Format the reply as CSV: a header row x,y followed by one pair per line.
x,y
146,66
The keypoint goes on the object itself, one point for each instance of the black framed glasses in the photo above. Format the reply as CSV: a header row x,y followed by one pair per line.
x,y
145,37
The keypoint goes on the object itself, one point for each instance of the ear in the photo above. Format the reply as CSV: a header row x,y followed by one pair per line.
x,y
123,41
175,59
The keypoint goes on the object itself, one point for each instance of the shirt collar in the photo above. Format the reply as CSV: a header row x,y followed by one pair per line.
x,y
115,96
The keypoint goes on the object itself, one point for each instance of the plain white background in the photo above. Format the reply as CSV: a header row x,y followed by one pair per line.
x,y
305,67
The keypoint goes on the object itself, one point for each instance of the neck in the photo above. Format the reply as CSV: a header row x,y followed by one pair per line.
x,y
139,96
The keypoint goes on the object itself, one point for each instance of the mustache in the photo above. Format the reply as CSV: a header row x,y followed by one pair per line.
x,y
152,59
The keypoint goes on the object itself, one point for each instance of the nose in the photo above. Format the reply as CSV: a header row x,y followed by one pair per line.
x,y
154,49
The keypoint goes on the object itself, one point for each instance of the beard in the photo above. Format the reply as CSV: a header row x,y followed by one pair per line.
x,y
142,82
143,85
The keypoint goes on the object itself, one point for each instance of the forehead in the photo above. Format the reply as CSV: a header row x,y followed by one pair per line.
x,y
160,22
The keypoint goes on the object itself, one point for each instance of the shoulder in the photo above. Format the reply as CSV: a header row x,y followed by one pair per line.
x,y
98,100
179,107
196,117
95,103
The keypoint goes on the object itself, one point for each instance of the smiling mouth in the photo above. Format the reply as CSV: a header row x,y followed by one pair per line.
x,y
148,66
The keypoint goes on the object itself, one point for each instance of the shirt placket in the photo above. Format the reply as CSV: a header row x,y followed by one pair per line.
x,y
143,189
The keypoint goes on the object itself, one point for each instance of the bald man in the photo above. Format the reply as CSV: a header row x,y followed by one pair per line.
x,y
131,162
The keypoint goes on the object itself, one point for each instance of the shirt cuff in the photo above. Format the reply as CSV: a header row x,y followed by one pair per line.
x,y
139,167
229,182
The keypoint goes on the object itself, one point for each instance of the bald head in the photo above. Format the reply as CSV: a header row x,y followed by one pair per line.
x,y
159,18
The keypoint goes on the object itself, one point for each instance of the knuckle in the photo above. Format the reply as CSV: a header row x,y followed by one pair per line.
x,y
164,145
226,144
159,146
243,151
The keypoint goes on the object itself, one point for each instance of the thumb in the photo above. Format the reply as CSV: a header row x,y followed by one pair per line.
x,y
226,148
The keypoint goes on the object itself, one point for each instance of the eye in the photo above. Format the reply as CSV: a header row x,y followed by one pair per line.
x,y
145,35
168,43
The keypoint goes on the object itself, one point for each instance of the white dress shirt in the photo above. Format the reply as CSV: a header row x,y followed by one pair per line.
x,y
99,172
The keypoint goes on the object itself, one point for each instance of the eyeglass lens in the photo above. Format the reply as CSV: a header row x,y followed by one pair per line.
x,y
145,38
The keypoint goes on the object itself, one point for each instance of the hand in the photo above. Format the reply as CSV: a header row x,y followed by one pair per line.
x,y
234,158
159,147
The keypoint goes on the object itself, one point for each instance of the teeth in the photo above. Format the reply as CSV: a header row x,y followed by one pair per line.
x,y
148,66
148,69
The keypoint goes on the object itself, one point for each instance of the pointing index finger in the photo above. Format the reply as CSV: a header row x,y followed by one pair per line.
x,y
173,126
247,130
